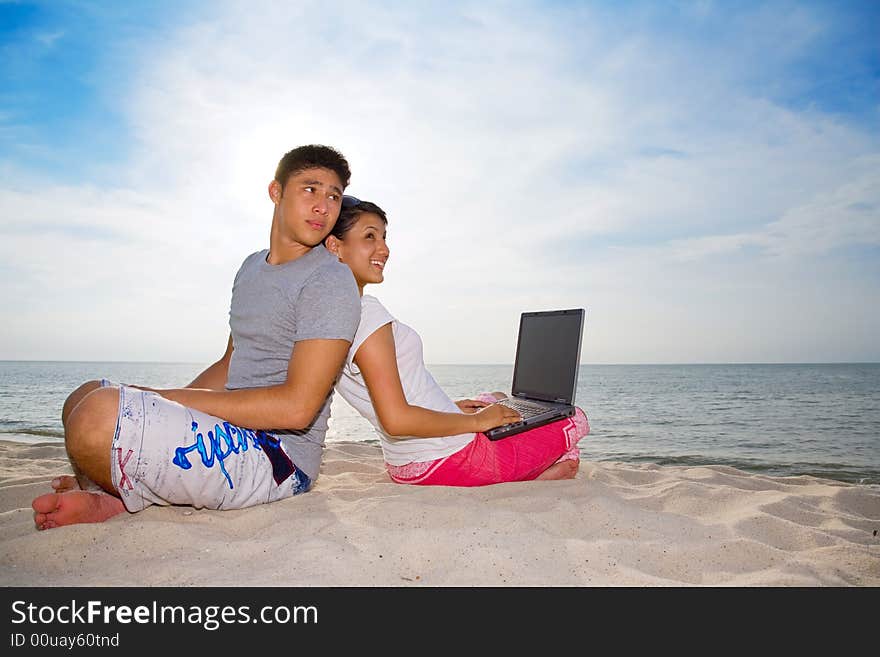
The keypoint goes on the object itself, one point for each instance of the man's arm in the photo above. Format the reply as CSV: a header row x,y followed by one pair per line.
x,y
215,376
312,370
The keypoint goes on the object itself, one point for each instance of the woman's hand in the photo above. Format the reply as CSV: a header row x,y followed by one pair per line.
x,y
470,405
495,415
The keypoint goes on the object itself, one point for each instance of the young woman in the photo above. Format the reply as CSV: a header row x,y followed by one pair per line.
x,y
427,438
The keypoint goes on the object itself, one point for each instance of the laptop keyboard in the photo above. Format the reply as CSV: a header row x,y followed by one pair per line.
x,y
524,408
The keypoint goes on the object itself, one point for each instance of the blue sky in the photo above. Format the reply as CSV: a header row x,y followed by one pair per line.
x,y
702,177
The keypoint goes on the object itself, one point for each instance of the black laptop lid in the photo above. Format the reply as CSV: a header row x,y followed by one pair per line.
x,y
548,353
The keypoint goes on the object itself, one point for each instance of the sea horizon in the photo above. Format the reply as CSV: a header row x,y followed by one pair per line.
x,y
582,364
779,419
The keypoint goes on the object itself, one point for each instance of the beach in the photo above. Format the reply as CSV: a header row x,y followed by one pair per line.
x,y
616,524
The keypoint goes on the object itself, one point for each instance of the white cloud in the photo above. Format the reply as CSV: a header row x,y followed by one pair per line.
x,y
48,39
834,217
512,152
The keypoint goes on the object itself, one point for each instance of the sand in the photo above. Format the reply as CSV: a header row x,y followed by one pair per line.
x,y
616,524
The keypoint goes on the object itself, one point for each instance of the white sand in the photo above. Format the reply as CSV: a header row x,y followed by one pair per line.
x,y
617,524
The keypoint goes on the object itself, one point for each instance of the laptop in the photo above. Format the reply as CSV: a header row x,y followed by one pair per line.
x,y
548,353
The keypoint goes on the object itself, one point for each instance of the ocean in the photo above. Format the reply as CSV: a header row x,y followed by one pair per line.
x,y
782,420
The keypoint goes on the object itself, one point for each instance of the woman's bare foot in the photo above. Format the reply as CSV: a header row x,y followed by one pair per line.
x,y
74,506
567,469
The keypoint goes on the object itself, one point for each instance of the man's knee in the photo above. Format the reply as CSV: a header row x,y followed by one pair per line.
x,y
76,397
90,426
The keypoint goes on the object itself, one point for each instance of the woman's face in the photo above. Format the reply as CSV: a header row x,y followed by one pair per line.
x,y
364,249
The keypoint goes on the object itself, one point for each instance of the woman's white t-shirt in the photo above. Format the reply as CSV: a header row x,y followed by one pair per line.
x,y
419,388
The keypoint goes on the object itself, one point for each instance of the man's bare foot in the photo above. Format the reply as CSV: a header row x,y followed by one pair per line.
x,y
74,506
563,470
65,483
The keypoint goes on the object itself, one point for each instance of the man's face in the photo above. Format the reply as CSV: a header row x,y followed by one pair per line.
x,y
309,205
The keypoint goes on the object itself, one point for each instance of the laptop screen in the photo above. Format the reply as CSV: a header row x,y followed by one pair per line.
x,y
548,355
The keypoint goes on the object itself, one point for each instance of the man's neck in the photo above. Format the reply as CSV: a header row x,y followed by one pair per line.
x,y
283,249
278,256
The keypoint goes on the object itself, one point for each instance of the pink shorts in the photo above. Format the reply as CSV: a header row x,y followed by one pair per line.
x,y
520,457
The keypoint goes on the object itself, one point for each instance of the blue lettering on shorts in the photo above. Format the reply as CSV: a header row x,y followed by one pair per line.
x,y
282,466
300,482
228,439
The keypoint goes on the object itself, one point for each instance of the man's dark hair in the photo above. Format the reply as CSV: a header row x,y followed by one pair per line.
x,y
311,157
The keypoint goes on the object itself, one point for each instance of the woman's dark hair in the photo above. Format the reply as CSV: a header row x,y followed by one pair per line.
x,y
313,156
353,208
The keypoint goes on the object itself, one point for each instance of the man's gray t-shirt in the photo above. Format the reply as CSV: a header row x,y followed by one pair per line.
x,y
275,306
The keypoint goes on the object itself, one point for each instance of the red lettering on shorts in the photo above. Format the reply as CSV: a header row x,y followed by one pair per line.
x,y
124,480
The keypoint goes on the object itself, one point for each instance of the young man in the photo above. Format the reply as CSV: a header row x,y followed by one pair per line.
x,y
294,311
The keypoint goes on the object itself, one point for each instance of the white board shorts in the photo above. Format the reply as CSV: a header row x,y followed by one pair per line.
x,y
165,453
